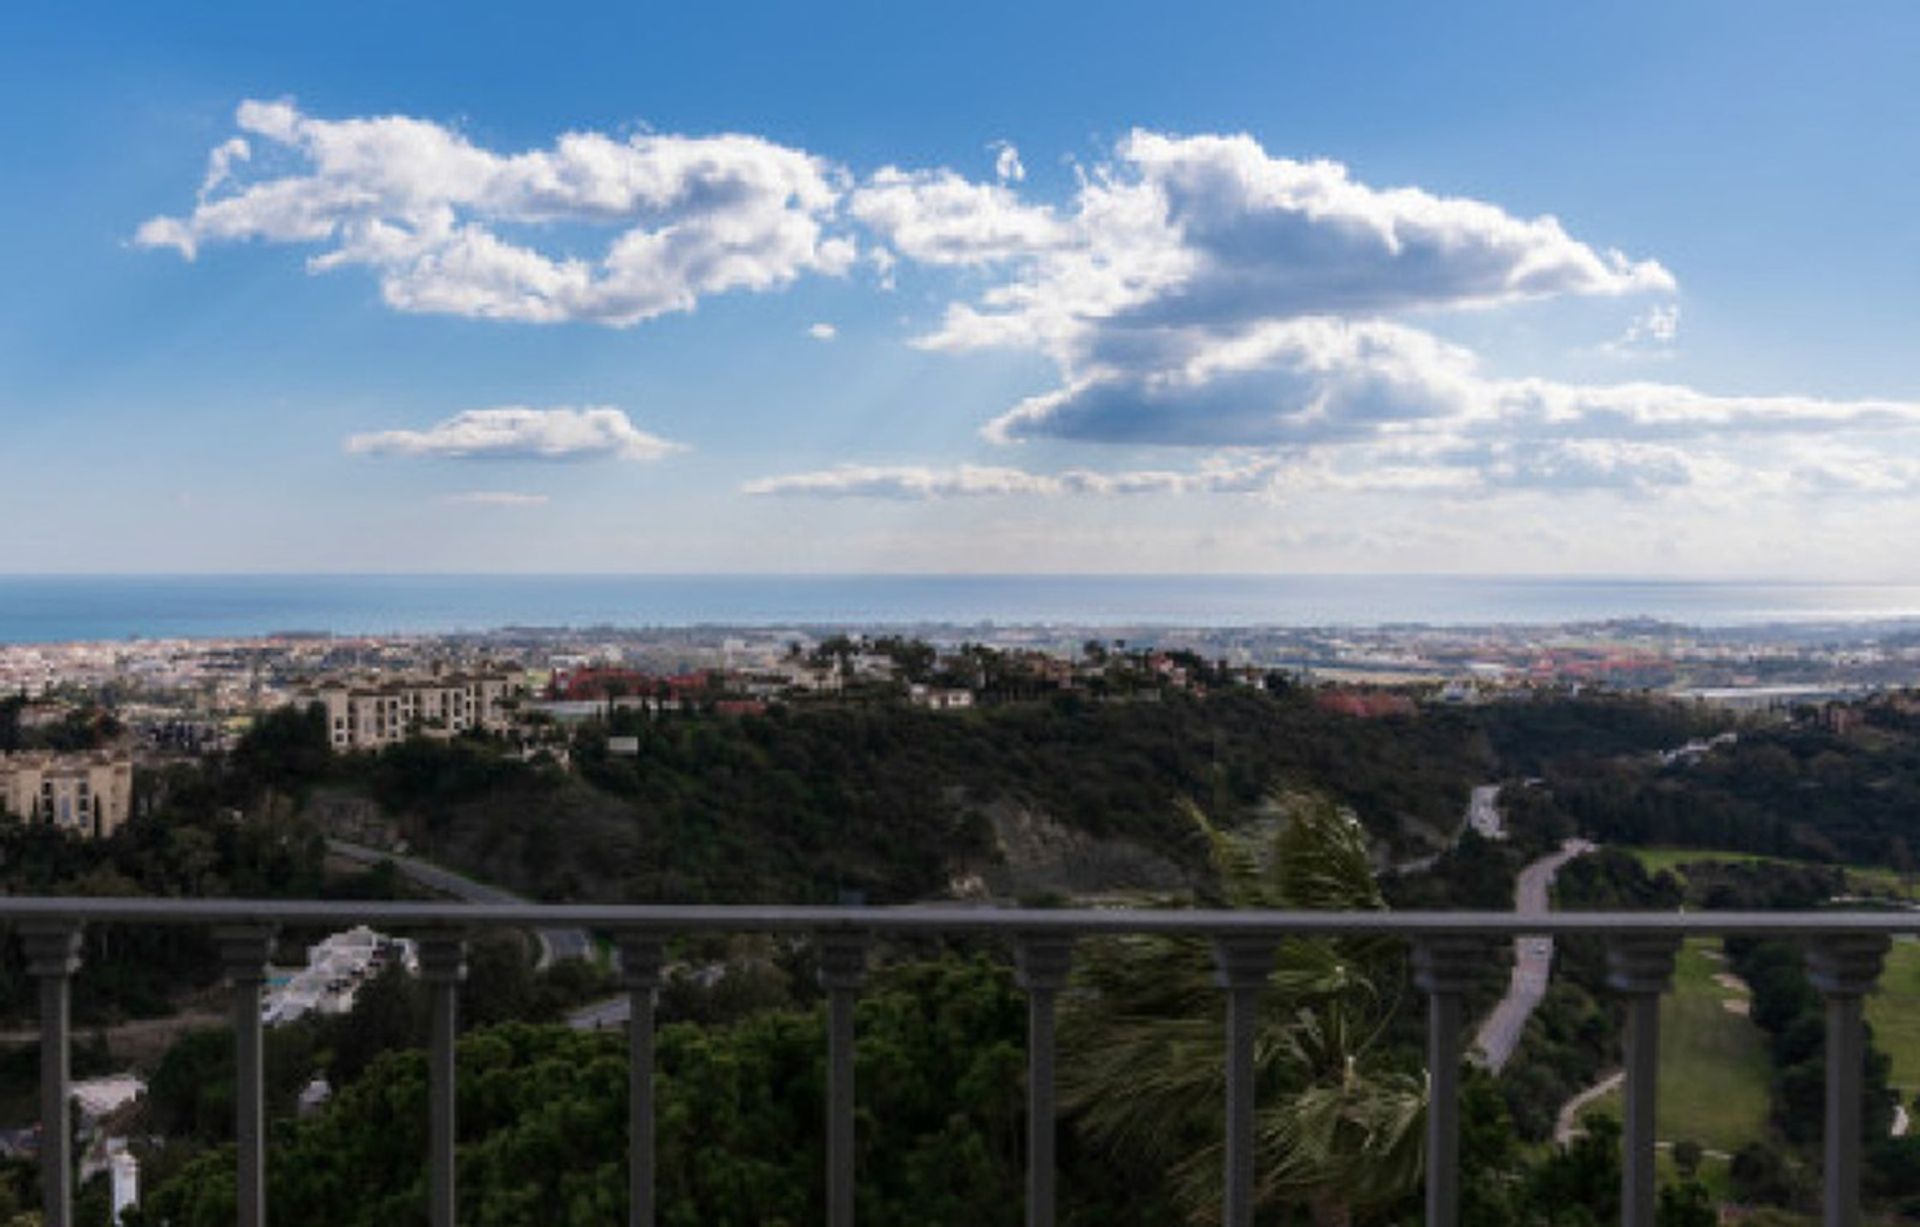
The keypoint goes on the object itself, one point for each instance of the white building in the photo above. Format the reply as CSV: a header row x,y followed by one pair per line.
x,y
374,714
940,698
89,794
335,970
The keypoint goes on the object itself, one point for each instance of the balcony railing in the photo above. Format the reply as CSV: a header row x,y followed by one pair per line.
x,y
1845,952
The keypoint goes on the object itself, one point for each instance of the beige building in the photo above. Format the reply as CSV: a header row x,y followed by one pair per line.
x,y
370,715
89,794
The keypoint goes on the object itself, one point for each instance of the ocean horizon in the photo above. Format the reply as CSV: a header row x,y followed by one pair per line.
x,y
72,608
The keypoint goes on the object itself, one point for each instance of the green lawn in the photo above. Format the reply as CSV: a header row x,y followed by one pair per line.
x,y
1714,1067
1713,1062
1895,1014
1867,879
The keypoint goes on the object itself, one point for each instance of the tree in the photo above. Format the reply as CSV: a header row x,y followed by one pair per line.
x,y
1686,1158
1338,1127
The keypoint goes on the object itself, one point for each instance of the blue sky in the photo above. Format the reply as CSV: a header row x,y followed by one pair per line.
x,y
1002,288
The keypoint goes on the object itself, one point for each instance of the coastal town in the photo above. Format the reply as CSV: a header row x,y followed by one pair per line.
x,y
172,699
181,695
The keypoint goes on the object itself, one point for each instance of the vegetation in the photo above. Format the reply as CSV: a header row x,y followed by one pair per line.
x,y
1799,792
1894,1015
543,1116
804,802
1338,1124
1713,1060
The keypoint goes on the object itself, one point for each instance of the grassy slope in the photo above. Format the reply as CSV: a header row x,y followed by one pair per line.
x,y
1895,1014
1870,879
1713,1063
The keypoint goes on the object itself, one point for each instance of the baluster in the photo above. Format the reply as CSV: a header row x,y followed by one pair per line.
x,y
443,964
1640,967
1043,961
640,957
843,965
52,948
244,951
1845,968
1444,968
1242,965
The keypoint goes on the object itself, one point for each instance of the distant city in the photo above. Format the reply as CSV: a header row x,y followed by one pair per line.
x,y
185,694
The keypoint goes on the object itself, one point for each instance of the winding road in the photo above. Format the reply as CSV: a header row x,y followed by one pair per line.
x,y
1532,955
554,943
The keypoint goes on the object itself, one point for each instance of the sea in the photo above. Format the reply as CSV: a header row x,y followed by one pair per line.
x,y
67,608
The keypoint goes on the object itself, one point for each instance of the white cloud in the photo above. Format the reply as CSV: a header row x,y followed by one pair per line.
x,y
920,482
937,217
1323,380
422,205
1650,334
1661,323
1007,166
1194,292
497,498
519,433
1212,231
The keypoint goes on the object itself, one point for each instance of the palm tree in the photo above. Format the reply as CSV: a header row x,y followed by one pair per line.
x,y
1339,1130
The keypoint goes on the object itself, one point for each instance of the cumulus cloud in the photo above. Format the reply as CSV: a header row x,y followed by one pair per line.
x,y
424,207
938,217
1193,292
1213,231
496,498
1324,380
519,433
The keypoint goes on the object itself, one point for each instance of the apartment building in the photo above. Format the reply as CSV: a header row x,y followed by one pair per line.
x,y
369,715
89,794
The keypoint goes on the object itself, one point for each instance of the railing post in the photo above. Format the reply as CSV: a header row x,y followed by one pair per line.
x,y
52,948
1845,968
1444,968
244,951
843,965
1640,968
443,964
1043,961
640,958
1241,965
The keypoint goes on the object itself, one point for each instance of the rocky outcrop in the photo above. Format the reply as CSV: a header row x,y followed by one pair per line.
x,y
1035,855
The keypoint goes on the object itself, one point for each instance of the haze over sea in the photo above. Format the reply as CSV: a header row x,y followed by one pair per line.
x,y
68,608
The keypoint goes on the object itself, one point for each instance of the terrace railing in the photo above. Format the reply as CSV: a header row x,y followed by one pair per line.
x,y
1844,951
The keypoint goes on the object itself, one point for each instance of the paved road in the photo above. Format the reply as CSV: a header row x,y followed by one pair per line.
x,y
1532,960
602,1015
1483,815
554,943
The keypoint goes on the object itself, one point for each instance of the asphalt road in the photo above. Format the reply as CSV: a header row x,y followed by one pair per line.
x,y
1532,960
602,1015
554,943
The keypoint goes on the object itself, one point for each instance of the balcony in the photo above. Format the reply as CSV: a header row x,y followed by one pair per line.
x,y
1844,955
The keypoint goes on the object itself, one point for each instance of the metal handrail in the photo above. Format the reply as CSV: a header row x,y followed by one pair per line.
x,y
1845,952
918,920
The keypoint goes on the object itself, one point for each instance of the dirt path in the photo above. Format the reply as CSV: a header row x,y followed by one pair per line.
x,y
1567,1124
139,1042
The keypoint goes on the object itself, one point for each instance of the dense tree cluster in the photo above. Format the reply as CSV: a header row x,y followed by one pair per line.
x,y
1798,791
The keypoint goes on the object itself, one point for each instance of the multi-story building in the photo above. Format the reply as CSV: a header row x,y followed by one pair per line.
x,y
89,794
369,715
